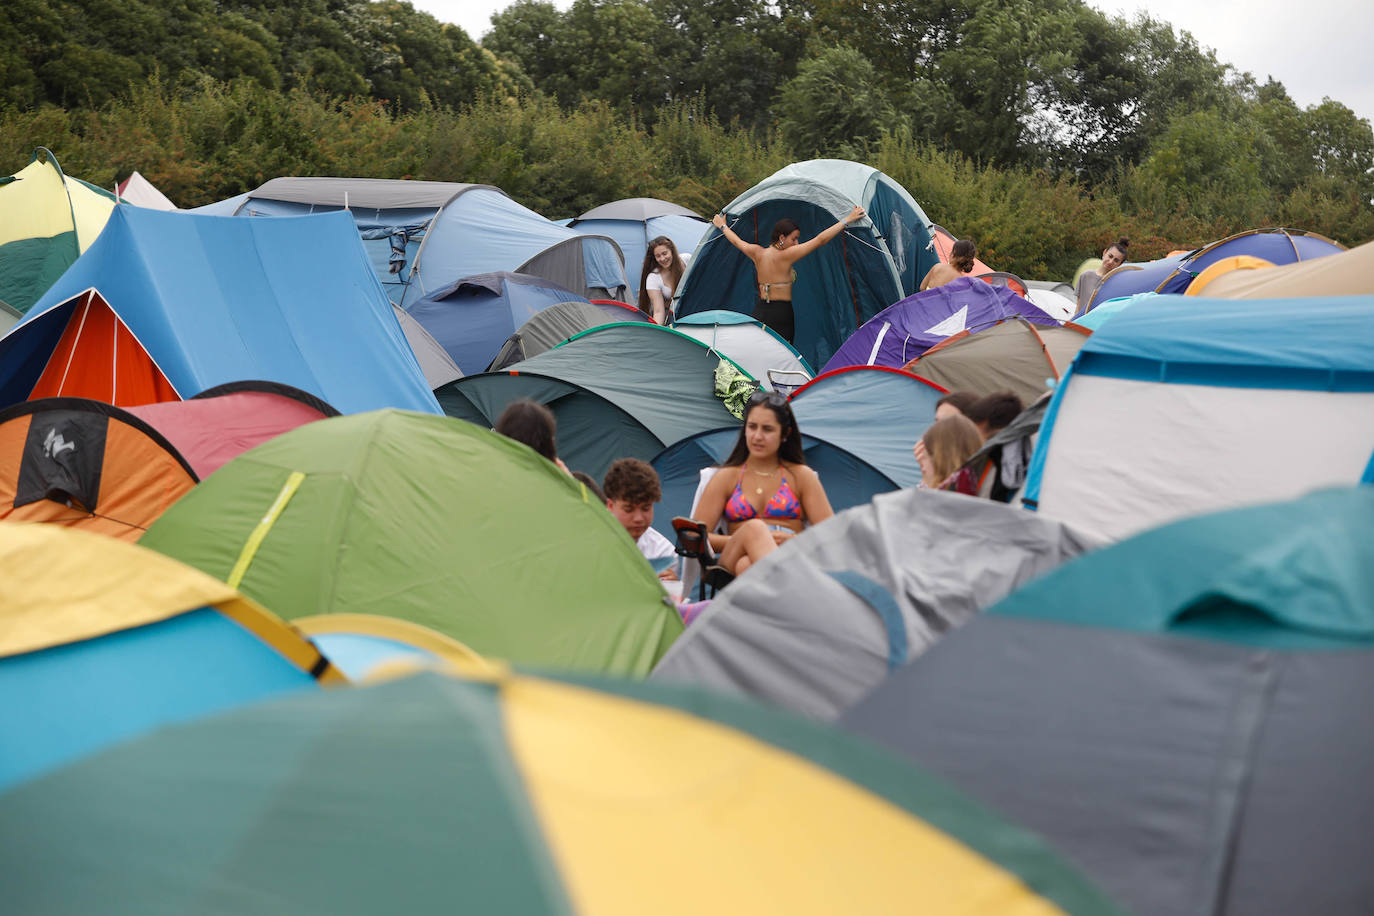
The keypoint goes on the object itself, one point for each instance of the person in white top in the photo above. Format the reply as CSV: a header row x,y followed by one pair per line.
x,y
663,269
631,487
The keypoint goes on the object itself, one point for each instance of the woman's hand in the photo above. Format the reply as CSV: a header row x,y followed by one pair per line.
x,y
780,536
855,215
923,460
718,221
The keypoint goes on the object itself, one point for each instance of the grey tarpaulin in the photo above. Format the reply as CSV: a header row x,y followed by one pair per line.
x,y
438,367
791,633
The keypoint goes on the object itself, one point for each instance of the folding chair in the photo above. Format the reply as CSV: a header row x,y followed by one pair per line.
x,y
694,546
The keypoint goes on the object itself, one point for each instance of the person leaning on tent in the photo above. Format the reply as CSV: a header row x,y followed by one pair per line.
x,y
1113,256
662,271
773,266
961,258
631,487
773,495
534,425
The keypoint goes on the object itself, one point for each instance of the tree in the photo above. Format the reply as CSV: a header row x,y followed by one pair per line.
x,y
833,106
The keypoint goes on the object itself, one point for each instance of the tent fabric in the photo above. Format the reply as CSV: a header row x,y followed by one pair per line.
x,y
618,391
848,479
896,408
637,209
47,220
105,641
472,317
290,301
363,193
1277,246
437,366
1163,710
1013,355
1132,278
84,464
1052,300
794,634
869,266
141,192
224,422
578,796
633,233
908,328
368,647
942,242
433,521
1169,410
1220,268
548,328
1346,273
750,343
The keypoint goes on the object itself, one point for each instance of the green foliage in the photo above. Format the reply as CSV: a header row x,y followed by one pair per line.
x,y
833,107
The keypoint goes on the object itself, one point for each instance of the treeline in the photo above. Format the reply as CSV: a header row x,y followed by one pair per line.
x,y
208,140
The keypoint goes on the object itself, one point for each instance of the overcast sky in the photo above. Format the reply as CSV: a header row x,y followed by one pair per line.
x,y
1315,49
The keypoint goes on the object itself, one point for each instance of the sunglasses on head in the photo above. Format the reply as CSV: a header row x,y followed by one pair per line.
x,y
771,398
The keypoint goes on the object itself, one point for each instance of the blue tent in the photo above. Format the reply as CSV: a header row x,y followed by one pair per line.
x,y
871,265
1129,279
633,222
474,316
874,412
1277,246
424,235
212,300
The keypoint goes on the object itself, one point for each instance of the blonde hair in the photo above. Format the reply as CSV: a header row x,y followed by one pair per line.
x,y
949,443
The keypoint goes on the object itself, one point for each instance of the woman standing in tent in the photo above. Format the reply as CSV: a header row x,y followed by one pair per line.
x,y
764,491
961,258
1113,256
663,269
773,266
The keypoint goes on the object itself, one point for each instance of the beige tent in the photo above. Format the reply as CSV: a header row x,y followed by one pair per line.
x,y
1346,273
1013,355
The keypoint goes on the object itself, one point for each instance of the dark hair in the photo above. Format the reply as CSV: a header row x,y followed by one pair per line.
x,y
962,254
995,410
633,481
784,226
585,479
651,265
790,449
959,400
1122,245
530,423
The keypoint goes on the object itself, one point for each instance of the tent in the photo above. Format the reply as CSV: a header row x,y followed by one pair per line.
x,y
437,366
874,412
1277,246
84,464
47,220
871,265
166,305
471,318
848,479
368,647
1013,355
822,621
432,521
1183,405
1185,714
633,222
517,794
140,192
1132,278
749,342
1053,298
942,242
102,641
617,391
549,328
424,235
227,420
1347,273
903,331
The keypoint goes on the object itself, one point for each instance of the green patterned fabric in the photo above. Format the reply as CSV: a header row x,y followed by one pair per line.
x,y
734,388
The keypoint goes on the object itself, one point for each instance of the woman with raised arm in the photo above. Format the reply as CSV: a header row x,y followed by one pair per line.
x,y
773,266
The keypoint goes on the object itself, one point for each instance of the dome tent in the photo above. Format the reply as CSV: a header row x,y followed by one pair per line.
x,y
634,221
871,265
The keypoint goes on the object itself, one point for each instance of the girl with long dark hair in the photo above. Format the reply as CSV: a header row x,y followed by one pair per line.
x,y
661,274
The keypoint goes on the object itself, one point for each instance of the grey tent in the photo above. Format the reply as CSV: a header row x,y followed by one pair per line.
x,y
637,208
548,329
1185,714
816,625
1013,355
438,367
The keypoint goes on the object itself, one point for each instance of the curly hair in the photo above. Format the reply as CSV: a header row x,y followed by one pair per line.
x,y
633,481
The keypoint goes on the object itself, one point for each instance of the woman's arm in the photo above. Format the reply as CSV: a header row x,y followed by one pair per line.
x,y
751,250
658,310
802,249
815,504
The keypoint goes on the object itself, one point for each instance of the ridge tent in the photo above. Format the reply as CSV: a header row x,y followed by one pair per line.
x,y
472,317
1013,355
435,522
848,479
550,327
533,795
623,390
1184,714
1187,405
634,221
140,192
906,329
832,613
47,219
436,365
747,341
166,305
1346,273
424,235
83,464
874,412
103,641
866,268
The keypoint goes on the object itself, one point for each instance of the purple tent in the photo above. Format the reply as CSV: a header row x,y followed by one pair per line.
x,y
902,332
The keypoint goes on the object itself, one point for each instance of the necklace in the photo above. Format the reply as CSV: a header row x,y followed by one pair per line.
x,y
758,491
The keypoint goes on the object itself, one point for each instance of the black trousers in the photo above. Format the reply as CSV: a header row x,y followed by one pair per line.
x,y
778,316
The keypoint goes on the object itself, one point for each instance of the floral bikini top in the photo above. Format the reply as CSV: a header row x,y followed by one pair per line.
x,y
782,504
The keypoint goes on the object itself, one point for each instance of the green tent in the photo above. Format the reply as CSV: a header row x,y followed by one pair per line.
x,y
433,521
625,390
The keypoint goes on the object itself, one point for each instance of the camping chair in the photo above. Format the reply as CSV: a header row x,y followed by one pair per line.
x,y
694,546
786,381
